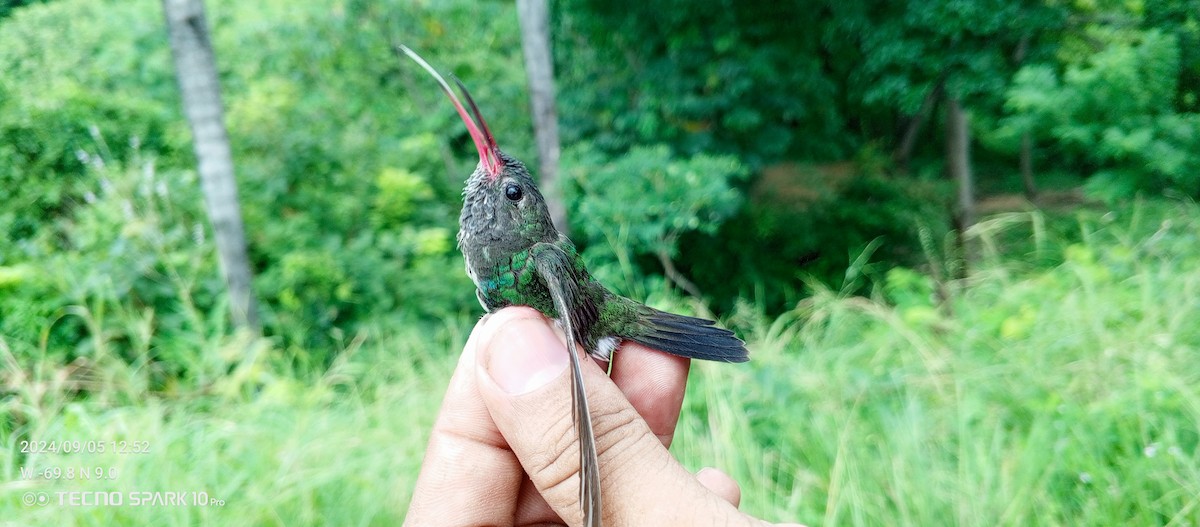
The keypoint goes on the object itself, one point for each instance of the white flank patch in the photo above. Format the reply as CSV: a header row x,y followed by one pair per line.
x,y
604,347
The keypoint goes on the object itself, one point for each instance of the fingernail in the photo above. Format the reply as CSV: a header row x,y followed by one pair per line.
x,y
524,355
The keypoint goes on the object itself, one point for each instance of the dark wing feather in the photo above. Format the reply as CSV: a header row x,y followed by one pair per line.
x,y
574,310
690,337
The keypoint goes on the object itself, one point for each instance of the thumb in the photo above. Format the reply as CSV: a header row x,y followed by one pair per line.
x,y
522,372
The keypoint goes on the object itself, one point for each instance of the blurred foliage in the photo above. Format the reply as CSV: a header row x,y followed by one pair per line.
x,y
7,6
619,216
904,49
348,208
132,258
679,122
859,411
1115,110
867,217
730,77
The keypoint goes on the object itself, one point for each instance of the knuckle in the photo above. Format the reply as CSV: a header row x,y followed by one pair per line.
x,y
556,467
617,430
622,435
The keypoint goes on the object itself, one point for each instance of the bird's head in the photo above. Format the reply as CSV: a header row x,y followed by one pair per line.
x,y
502,205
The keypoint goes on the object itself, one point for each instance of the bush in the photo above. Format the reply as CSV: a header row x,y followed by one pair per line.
x,y
775,248
349,214
644,201
134,279
1115,110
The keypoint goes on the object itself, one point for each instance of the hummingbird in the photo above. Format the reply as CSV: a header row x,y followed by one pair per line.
x,y
515,256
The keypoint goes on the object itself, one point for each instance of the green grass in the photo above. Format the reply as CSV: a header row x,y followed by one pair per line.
x,y
1041,394
342,448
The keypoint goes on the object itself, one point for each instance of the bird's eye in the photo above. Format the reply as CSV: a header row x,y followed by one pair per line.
x,y
512,191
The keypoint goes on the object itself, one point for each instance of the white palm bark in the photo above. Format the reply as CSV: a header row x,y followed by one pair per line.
x,y
196,71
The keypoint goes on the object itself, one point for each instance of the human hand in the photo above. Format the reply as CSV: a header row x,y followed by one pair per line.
x,y
504,451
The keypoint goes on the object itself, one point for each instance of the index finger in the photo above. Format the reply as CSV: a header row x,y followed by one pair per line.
x,y
654,383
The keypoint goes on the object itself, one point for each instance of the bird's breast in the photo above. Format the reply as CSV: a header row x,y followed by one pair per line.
x,y
512,281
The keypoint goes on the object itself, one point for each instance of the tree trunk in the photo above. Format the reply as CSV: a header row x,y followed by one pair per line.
x,y
1026,136
1027,166
196,71
534,17
677,277
958,161
903,153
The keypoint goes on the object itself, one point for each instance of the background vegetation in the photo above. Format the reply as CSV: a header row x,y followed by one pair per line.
x,y
1034,368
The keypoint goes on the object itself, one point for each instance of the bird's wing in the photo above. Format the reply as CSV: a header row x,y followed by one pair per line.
x,y
557,271
694,338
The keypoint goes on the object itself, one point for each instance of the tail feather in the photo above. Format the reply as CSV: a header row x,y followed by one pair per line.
x,y
690,337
